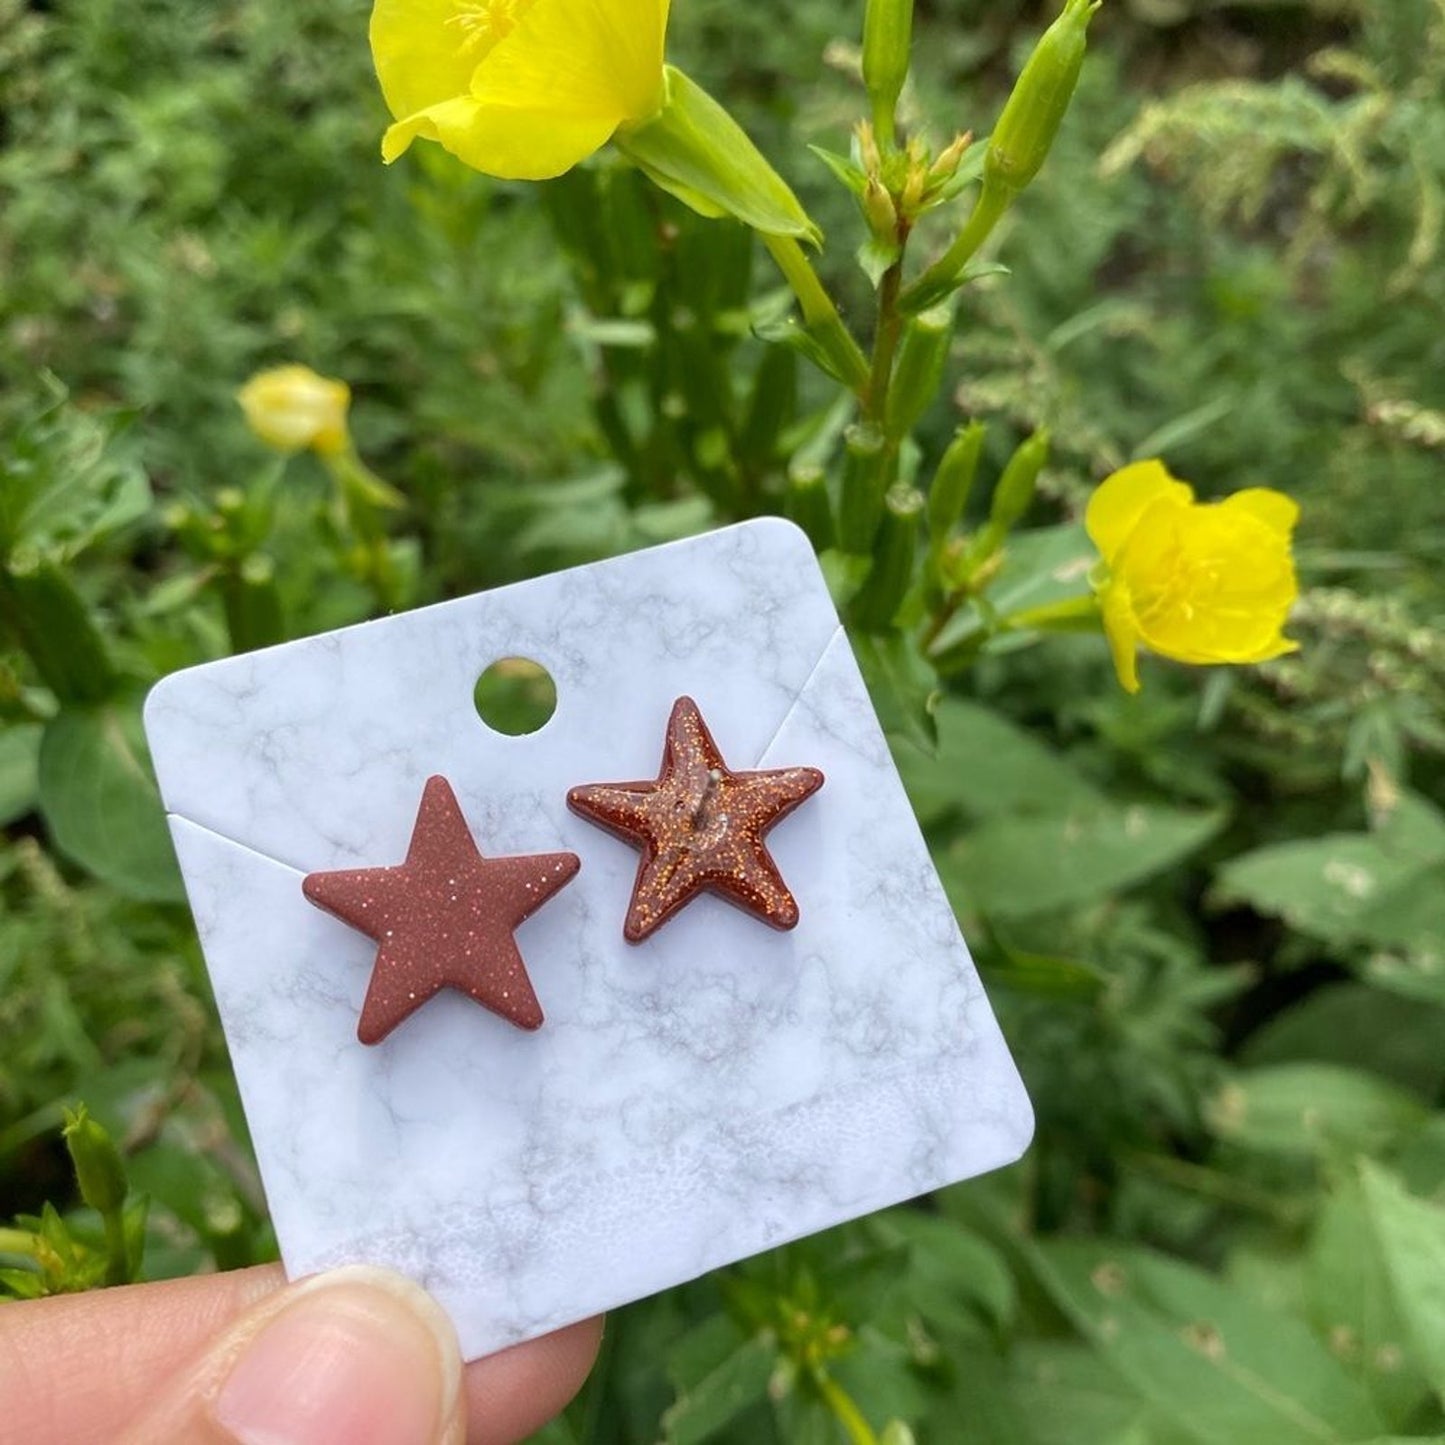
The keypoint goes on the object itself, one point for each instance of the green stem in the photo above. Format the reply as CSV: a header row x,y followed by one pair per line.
x,y
845,1412
819,313
1210,1184
885,343
885,353
937,281
946,611
1074,614
364,499
885,125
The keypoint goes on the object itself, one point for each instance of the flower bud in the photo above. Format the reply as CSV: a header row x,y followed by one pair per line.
x,y
869,156
953,481
887,38
921,359
98,1167
894,552
865,479
1015,490
1011,500
946,165
915,186
808,504
880,212
1031,118
292,409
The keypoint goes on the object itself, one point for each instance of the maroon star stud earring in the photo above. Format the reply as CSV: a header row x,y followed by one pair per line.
x,y
700,827
444,918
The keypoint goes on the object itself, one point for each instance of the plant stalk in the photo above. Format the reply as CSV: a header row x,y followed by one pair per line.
x,y
819,313
845,1412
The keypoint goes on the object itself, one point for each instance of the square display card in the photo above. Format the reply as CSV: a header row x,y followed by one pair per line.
x,y
715,1090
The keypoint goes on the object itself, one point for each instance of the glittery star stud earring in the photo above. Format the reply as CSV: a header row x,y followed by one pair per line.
x,y
444,918
700,827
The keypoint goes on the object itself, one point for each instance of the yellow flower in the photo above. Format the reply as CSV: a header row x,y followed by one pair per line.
x,y
1198,582
523,89
292,408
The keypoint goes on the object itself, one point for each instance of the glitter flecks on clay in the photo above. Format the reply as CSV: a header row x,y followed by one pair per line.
x,y
701,828
444,918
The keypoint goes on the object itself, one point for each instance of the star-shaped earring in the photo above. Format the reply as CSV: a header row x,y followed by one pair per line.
x,y
444,918
700,827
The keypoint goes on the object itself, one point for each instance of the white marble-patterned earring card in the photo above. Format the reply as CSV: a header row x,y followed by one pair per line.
x,y
714,1091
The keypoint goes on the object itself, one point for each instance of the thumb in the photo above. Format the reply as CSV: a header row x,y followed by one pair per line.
x,y
358,1356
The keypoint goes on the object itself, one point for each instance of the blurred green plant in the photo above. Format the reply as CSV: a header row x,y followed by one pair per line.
x,y
1207,916
59,1256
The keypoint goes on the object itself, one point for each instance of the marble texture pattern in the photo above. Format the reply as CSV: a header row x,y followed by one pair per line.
x,y
711,1093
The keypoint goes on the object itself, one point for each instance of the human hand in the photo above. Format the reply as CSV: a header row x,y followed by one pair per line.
x,y
357,1356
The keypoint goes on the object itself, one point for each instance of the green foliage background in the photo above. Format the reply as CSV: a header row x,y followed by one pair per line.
x,y
1210,918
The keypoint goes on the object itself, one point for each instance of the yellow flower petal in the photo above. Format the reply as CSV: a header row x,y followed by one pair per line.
x,y
422,53
580,58
1120,500
1123,633
1274,509
1208,583
1201,583
512,144
523,89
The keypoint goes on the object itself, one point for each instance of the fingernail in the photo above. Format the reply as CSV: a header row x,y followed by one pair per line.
x,y
360,1357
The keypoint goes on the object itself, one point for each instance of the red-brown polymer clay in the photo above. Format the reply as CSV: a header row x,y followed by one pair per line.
x,y
444,918
700,827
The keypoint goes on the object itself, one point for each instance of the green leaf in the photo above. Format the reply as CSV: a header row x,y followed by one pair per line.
x,y
955,1279
880,1373
790,332
843,169
1041,567
1011,867
902,686
1042,975
101,804
1359,1027
704,1348
696,151
1216,1366
22,1283
1417,976
55,626
802,1419
1381,888
861,1286
1352,1306
723,1394
19,771
875,257
990,767
66,482
1312,1109
1410,1235
1069,1395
